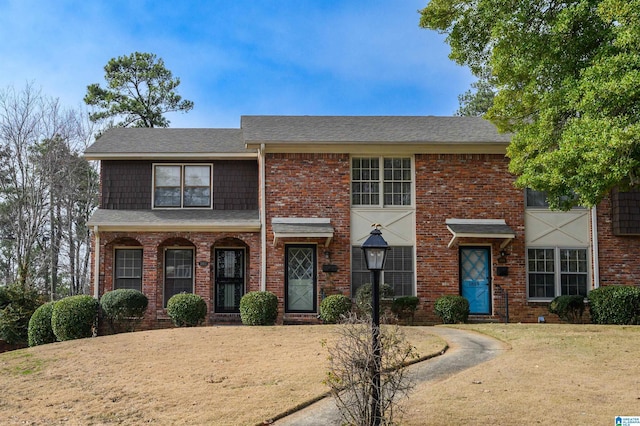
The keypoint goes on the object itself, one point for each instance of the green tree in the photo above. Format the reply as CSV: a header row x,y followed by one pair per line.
x,y
140,90
476,102
567,78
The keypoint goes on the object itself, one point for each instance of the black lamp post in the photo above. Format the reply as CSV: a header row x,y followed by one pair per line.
x,y
375,253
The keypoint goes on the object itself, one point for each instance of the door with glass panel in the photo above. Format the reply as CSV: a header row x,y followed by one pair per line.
x,y
475,277
229,276
178,272
300,280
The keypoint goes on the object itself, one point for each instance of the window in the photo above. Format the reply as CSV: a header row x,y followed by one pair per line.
x,y
395,181
556,271
128,269
538,199
182,185
178,272
398,270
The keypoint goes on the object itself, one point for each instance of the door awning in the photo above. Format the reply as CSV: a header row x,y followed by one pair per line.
x,y
480,228
302,227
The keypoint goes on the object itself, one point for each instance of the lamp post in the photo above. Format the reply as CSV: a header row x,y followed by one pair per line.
x,y
375,253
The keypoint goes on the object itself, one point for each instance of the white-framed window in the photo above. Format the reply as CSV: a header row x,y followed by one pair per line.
x,y
381,181
178,272
128,268
182,185
557,271
398,270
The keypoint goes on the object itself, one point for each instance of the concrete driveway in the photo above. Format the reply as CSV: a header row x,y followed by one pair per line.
x,y
466,349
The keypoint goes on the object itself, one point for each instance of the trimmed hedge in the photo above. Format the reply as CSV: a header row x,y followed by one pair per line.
x,y
74,317
40,330
568,308
405,307
123,308
259,308
452,309
334,307
615,304
187,309
364,296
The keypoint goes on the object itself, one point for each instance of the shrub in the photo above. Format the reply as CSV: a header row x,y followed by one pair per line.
x,y
334,307
259,308
17,305
363,297
123,308
187,309
405,307
452,309
568,308
40,330
74,317
615,305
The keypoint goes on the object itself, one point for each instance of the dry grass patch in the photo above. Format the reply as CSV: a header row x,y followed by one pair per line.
x,y
554,374
204,375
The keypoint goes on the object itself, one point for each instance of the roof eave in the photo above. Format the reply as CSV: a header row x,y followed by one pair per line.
x,y
170,155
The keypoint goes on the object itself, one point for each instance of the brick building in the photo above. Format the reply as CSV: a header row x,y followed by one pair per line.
x,y
284,203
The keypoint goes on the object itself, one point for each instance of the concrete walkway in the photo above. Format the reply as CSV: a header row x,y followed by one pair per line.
x,y
466,349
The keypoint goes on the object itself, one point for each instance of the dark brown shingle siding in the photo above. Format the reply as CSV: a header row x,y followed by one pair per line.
x,y
625,212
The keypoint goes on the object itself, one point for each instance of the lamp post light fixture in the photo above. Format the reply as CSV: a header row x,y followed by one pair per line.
x,y
375,250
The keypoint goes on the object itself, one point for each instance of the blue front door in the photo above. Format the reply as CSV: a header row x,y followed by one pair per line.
x,y
475,278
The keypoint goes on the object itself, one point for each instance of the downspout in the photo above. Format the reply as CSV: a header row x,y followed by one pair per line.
x,y
96,263
263,220
594,248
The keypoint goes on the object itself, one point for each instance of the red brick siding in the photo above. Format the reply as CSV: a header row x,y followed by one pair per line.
x,y
617,255
309,185
466,186
153,244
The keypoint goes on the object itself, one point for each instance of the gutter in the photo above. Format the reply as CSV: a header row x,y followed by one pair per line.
x,y
263,219
594,248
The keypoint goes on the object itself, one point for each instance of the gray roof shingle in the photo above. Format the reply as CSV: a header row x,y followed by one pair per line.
x,y
146,141
369,129
176,219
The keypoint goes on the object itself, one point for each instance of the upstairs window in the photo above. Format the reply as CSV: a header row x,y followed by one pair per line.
x,y
182,186
379,181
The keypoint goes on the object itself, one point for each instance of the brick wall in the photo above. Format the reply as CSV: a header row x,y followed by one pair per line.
x,y
617,255
153,244
466,186
309,185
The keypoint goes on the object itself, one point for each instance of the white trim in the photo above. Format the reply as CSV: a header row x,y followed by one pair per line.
x,y
96,263
381,181
181,156
594,248
263,220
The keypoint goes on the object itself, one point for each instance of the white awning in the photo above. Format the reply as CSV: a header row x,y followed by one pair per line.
x,y
480,228
302,227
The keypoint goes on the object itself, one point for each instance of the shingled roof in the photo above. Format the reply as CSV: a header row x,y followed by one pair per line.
x,y
142,142
283,131
369,129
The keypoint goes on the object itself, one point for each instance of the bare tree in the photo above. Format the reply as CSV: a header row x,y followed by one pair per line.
x,y
351,366
46,189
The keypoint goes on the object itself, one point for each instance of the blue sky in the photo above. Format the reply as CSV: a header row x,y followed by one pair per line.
x,y
240,57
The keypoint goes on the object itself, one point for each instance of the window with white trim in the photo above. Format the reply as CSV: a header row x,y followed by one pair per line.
x,y
182,186
557,271
370,187
128,269
398,270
